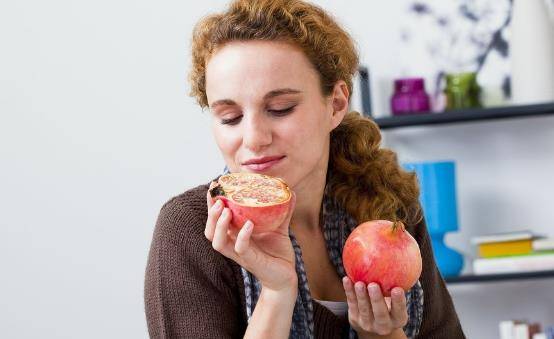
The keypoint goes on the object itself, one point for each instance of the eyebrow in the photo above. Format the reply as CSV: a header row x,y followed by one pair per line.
x,y
268,95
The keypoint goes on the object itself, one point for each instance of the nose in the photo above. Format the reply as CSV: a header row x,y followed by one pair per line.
x,y
257,132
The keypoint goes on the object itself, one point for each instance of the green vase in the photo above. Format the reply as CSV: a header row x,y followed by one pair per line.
x,y
462,91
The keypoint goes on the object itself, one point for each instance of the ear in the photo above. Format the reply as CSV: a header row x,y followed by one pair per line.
x,y
339,103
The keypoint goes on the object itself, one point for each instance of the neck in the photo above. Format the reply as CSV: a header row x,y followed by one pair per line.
x,y
309,195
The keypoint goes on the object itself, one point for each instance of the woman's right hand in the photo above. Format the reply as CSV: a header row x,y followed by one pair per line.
x,y
269,256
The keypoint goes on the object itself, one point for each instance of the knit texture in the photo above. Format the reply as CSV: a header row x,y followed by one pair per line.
x,y
192,291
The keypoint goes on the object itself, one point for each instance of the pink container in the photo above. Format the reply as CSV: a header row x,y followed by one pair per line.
x,y
409,97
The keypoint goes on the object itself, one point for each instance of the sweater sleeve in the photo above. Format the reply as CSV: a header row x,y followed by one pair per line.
x,y
190,290
439,315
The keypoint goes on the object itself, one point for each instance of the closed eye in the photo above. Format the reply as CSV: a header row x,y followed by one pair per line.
x,y
232,121
275,112
281,112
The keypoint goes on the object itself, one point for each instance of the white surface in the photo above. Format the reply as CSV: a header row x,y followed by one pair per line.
x,y
97,131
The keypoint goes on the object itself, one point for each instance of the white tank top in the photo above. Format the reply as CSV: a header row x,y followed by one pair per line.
x,y
339,308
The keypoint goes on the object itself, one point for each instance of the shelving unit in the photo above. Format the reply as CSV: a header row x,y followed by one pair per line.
x,y
499,277
469,115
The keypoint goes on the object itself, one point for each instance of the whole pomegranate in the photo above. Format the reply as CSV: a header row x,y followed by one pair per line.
x,y
383,252
260,198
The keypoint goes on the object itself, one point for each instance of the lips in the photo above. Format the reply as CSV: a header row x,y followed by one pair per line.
x,y
262,160
262,164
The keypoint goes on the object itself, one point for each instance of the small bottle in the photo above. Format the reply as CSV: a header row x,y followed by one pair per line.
x,y
462,91
409,96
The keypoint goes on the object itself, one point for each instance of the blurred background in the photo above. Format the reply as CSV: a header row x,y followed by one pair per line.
x,y
97,131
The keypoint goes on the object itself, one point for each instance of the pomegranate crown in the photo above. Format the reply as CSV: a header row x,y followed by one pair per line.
x,y
398,225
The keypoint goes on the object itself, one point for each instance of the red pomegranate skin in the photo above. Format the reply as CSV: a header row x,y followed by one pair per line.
x,y
266,216
377,252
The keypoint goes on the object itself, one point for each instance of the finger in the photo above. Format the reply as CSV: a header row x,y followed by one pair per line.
x,y
379,307
242,245
351,299
213,215
388,302
232,234
220,241
364,305
399,312
284,227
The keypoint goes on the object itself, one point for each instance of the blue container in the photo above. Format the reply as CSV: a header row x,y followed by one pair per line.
x,y
437,182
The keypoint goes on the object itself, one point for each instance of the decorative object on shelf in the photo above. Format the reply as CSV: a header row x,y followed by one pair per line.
x,y
462,91
532,52
365,89
440,37
438,199
409,97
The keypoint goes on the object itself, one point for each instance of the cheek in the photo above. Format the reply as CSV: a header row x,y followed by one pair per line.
x,y
307,138
225,139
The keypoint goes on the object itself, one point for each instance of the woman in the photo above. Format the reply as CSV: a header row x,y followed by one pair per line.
x,y
277,78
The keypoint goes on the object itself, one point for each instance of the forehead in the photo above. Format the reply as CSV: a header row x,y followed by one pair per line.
x,y
257,67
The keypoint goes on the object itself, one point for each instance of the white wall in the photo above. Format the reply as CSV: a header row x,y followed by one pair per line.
x,y
97,131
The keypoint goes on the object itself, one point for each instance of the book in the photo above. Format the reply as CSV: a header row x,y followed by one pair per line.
x,y
505,248
546,244
549,331
533,329
504,236
525,331
535,261
521,331
506,328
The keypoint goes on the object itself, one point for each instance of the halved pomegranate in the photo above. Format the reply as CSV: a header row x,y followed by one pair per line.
x,y
260,198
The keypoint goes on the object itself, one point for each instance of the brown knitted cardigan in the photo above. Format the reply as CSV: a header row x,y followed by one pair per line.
x,y
192,291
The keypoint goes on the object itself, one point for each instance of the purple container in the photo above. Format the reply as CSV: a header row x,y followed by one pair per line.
x,y
409,97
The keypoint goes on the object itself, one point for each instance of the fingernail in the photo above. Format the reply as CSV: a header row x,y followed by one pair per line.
x,y
397,292
373,288
225,212
248,225
359,287
217,204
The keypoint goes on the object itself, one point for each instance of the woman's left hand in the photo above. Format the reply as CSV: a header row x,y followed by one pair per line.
x,y
370,313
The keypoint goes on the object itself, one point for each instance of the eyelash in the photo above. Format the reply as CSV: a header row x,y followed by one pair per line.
x,y
278,113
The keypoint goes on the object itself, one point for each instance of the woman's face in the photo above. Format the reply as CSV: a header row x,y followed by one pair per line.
x,y
268,112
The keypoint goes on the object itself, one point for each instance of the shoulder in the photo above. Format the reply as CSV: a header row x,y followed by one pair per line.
x,y
183,216
179,241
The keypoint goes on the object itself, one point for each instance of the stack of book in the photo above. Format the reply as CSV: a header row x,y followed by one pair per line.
x,y
513,252
520,329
